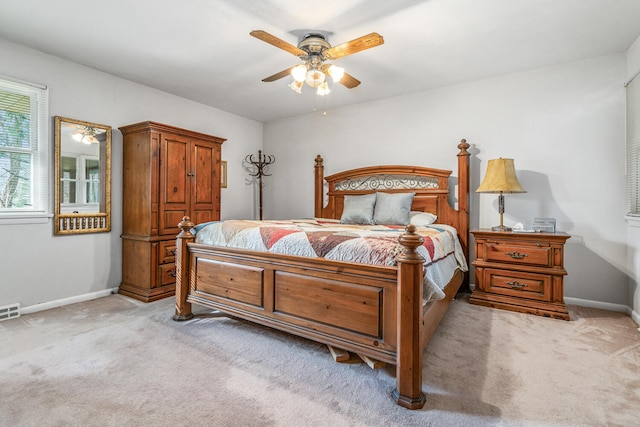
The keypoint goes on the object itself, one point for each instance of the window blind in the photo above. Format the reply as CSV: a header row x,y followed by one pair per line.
x,y
633,146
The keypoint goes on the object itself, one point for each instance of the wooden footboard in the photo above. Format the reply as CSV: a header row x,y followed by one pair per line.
x,y
351,306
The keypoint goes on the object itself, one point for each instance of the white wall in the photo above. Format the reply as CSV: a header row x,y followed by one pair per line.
x,y
633,227
563,125
40,268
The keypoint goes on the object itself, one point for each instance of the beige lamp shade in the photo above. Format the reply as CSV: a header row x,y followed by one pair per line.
x,y
500,178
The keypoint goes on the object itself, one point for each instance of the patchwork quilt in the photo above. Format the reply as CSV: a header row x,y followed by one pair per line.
x,y
317,238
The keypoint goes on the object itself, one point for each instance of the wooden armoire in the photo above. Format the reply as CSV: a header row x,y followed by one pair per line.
x,y
168,173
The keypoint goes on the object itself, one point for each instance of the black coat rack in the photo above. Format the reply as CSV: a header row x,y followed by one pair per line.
x,y
261,163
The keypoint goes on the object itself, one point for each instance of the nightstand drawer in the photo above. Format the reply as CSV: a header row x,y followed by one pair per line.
x,y
518,284
521,253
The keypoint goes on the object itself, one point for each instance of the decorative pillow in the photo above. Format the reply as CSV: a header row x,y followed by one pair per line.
x,y
421,218
393,208
358,209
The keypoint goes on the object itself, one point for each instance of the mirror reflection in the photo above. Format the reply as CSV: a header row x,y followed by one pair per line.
x,y
82,166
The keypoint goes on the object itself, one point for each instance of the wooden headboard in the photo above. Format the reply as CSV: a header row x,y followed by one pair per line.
x,y
431,187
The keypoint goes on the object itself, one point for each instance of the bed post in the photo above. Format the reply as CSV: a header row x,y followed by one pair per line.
x,y
183,308
408,392
319,187
463,204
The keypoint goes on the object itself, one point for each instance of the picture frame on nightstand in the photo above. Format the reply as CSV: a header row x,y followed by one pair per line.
x,y
546,225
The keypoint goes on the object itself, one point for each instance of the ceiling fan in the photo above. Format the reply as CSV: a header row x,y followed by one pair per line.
x,y
314,50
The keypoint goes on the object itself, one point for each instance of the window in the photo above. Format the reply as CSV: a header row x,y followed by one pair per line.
x,y
23,150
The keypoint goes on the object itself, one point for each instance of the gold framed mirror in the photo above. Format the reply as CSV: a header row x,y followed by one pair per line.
x,y
82,177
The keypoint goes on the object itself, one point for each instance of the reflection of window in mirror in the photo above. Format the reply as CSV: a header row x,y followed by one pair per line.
x,y
79,183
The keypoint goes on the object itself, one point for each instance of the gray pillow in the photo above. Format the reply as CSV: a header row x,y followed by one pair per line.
x,y
358,209
393,208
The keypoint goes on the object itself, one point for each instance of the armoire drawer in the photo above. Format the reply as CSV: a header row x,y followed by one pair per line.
x,y
167,274
518,284
167,251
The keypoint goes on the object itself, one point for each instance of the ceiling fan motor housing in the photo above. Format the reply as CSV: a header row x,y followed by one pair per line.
x,y
314,43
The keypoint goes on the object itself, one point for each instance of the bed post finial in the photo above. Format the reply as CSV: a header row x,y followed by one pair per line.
x,y
408,392
185,227
463,146
183,308
319,187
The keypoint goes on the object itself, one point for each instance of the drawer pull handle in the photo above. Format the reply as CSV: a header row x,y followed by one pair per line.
x,y
171,273
516,255
173,251
516,285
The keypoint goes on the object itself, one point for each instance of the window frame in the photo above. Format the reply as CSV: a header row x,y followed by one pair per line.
x,y
40,151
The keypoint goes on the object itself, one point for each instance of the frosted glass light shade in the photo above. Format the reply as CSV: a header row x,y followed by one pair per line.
x,y
336,73
315,78
299,72
296,86
323,89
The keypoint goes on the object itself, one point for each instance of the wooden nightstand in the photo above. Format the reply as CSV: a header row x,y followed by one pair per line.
x,y
521,272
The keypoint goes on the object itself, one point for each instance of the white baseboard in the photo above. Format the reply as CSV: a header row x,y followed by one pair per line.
x,y
66,301
597,304
604,306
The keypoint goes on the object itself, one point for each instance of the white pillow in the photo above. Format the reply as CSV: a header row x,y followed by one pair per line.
x,y
421,218
393,208
358,209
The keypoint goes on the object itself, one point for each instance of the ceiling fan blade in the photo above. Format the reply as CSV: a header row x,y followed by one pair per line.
x,y
353,46
349,81
279,43
277,76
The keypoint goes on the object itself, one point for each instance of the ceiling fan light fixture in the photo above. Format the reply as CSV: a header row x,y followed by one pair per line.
x,y
90,139
296,86
87,135
323,89
314,49
336,73
299,72
315,78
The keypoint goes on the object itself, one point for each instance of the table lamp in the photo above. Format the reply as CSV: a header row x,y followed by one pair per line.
x,y
500,178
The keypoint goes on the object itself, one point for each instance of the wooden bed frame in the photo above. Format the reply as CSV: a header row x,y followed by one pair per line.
x,y
375,311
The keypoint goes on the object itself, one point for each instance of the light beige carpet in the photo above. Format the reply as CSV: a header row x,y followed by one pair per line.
x,y
119,362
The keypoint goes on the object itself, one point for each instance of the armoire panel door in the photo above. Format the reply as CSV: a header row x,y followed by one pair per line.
x,y
205,181
174,182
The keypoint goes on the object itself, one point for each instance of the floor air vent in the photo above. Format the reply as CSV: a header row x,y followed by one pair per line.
x,y
9,311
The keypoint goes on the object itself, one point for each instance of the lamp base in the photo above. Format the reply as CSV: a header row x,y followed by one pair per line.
x,y
500,228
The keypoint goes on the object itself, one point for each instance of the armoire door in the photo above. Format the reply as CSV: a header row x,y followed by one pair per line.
x,y
174,182
204,181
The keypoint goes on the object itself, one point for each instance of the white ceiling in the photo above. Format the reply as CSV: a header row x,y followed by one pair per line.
x,y
201,49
